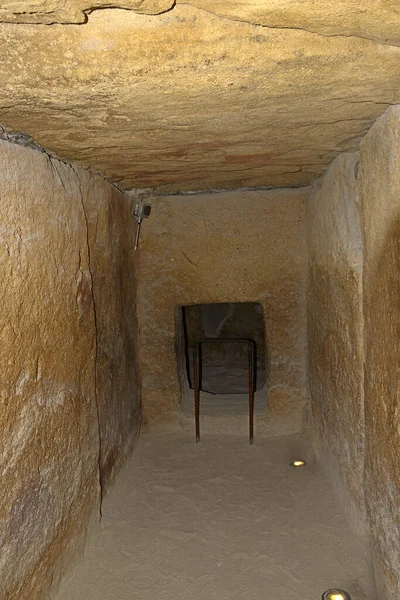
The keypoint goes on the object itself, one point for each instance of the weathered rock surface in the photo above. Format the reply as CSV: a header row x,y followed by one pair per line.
x,y
353,331
228,247
335,332
49,431
59,255
373,20
74,11
216,95
380,187
112,260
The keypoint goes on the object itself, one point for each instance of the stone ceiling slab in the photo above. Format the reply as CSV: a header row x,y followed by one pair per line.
x,y
190,100
372,19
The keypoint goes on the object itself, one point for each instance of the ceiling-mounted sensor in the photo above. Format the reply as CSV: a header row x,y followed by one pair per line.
x,y
141,211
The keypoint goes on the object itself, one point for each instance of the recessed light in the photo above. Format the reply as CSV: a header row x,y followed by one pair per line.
x,y
335,595
299,463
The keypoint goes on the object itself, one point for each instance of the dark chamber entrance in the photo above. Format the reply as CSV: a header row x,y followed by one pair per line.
x,y
225,365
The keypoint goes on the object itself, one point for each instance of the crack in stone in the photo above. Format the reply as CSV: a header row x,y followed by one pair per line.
x,y
100,478
53,165
290,27
204,192
90,10
189,259
319,123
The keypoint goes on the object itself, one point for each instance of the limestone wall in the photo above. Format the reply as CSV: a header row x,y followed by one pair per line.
x,y
335,331
354,337
227,247
112,259
62,285
380,187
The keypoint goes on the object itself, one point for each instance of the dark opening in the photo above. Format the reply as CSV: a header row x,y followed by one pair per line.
x,y
225,365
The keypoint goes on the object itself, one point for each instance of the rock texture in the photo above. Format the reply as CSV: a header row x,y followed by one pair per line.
x,y
211,95
353,329
335,332
56,347
374,20
380,185
112,260
228,247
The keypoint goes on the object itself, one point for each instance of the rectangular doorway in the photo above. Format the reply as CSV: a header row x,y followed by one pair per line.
x,y
224,366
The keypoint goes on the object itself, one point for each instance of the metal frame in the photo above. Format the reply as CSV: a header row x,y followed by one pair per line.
x,y
197,378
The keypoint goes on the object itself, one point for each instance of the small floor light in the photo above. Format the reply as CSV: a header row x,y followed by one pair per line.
x,y
335,595
299,463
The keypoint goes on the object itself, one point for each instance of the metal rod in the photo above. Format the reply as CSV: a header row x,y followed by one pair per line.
x,y
197,379
137,235
196,383
251,392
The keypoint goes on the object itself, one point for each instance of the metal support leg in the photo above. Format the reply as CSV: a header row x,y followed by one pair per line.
x,y
251,392
196,356
197,379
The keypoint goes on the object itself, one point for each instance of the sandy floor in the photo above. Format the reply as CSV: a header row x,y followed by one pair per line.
x,y
220,520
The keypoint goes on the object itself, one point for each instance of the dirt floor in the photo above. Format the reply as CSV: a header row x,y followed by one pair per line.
x,y
220,520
